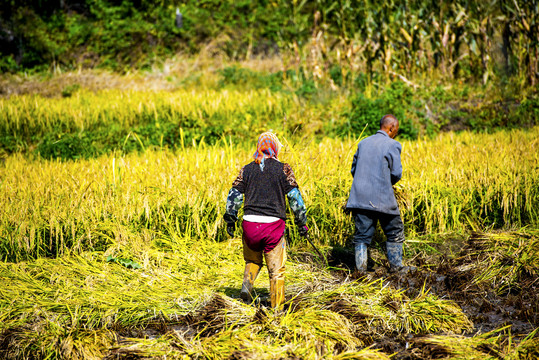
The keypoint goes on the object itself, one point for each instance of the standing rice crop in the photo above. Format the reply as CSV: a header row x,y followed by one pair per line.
x,y
51,206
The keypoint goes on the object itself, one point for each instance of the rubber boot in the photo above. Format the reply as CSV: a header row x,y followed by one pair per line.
x,y
275,261
394,256
361,257
277,293
249,277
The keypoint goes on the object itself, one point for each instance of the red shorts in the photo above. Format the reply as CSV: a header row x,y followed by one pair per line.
x,y
262,236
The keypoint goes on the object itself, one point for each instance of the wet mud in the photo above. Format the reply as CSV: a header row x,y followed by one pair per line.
x,y
515,305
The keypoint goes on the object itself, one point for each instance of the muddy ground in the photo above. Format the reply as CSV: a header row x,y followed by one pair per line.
x,y
451,277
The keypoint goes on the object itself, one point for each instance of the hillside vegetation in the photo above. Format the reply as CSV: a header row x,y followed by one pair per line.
x,y
460,39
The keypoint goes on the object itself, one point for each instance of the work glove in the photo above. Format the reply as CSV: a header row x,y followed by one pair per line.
x,y
230,223
303,231
230,228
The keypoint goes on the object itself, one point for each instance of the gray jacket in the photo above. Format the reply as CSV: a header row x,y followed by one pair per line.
x,y
376,168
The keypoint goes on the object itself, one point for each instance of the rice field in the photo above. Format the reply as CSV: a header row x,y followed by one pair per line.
x,y
125,255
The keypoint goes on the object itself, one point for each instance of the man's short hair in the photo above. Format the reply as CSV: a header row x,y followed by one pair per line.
x,y
388,120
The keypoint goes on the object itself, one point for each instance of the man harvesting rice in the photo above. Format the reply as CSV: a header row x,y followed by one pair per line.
x,y
262,185
376,168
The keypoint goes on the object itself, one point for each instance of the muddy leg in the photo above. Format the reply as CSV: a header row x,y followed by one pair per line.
x,y
275,260
253,263
361,257
394,256
394,231
365,223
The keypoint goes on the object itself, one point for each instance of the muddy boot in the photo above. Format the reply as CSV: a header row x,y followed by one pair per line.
x,y
277,293
394,256
249,276
361,257
275,260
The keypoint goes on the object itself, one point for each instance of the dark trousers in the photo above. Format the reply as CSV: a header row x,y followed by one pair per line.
x,y
366,221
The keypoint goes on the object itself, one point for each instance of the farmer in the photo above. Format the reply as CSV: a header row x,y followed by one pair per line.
x,y
376,168
263,185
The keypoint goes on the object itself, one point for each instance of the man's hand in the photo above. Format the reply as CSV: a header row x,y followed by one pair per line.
x,y
303,231
230,228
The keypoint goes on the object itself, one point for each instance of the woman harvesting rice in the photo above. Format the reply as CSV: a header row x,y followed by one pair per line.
x,y
262,185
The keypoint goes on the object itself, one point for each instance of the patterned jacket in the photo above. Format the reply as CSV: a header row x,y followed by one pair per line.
x,y
264,192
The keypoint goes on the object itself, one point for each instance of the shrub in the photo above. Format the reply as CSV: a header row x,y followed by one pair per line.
x,y
366,112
